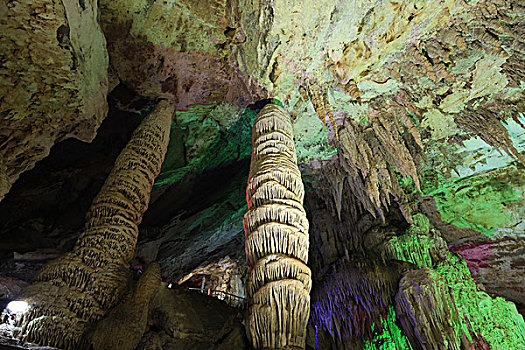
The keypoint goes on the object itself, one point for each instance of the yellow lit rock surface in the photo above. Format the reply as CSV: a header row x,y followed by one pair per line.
x,y
279,283
53,79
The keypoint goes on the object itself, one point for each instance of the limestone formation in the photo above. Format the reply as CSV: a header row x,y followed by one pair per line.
x,y
319,97
5,184
428,312
428,98
276,227
496,262
125,324
373,155
179,51
352,297
72,292
183,319
53,75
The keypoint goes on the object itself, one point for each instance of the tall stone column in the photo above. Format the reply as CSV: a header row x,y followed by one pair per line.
x,y
74,291
276,227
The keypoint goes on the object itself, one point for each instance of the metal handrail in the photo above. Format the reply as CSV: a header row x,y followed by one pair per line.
x,y
243,300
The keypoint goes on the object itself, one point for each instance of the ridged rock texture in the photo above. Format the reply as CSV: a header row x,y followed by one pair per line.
x,y
125,324
279,282
351,298
53,76
318,95
488,260
77,289
437,303
427,98
372,156
428,312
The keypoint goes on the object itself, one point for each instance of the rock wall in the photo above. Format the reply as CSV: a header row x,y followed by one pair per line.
x,y
363,274
398,108
54,80
180,51
190,320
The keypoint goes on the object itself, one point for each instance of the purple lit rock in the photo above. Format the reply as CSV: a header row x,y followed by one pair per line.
x,y
497,262
427,311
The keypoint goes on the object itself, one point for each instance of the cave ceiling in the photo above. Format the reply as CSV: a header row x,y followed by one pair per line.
x,y
447,73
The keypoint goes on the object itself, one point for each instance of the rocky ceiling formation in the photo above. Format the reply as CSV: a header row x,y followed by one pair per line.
x,y
54,80
409,127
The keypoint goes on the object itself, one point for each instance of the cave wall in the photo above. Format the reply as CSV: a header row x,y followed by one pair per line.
x,y
54,80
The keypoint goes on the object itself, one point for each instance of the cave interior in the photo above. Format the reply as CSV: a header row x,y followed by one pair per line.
x,y
253,174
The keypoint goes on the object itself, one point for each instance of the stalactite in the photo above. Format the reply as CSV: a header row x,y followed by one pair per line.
x,y
328,109
486,122
276,228
77,289
125,324
319,97
352,89
373,155
355,295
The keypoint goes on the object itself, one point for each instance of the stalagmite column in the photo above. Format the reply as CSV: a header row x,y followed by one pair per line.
x,y
72,292
127,322
276,229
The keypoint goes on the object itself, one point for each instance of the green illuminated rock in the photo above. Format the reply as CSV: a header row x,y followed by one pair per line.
x,y
494,319
211,136
484,202
387,335
428,312
462,313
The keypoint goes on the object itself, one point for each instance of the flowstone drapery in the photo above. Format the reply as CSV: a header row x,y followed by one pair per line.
x,y
76,290
276,229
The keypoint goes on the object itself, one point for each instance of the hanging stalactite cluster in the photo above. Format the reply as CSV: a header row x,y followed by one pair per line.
x,y
352,297
318,94
487,123
373,155
78,289
276,228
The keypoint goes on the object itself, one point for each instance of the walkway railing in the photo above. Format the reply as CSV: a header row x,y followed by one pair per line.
x,y
231,299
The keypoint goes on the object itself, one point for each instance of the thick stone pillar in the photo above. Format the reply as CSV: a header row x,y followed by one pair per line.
x,y
276,229
71,293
